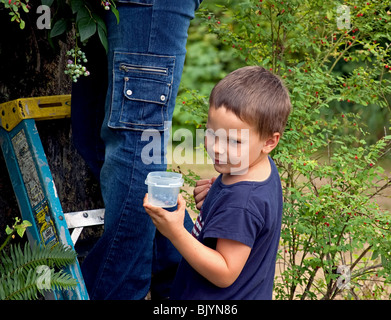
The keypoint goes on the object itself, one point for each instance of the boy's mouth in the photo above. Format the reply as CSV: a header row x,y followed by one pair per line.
x,y
217,161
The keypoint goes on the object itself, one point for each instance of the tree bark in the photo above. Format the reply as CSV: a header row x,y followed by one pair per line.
x,y
31,67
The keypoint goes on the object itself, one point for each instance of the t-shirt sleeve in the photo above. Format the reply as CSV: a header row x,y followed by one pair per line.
x,y
237,224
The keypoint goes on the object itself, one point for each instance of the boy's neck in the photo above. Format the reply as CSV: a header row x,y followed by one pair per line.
x,y
258,172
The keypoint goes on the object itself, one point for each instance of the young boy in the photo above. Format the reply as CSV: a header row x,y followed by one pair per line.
x,y
231,252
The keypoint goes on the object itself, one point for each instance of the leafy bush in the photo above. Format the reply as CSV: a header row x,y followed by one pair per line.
x,y
13,6
80,18
330,169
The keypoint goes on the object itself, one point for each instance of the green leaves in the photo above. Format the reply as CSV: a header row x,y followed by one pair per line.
x,y
102,33
86,27
13,6
89,23
331,153
86,21
59,28
21,275
26,272
19,228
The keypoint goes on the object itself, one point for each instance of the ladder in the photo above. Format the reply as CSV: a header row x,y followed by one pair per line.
x,y
33,183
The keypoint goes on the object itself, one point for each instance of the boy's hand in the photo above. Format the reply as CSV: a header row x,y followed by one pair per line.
x,y
169,224
201,190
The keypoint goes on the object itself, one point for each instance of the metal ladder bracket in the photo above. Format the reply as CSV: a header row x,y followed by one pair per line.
x,y
80,219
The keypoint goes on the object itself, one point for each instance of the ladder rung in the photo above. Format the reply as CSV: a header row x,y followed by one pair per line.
x,y
84,218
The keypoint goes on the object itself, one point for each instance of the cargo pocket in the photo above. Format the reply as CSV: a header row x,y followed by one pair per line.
x,y
142,86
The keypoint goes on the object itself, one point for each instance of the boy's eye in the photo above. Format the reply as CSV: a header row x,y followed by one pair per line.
x,y
209,132
233,141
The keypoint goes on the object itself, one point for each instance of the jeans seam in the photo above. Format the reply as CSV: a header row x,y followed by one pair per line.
x,y
150,29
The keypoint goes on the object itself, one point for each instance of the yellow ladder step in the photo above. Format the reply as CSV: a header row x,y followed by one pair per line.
x,y
38,108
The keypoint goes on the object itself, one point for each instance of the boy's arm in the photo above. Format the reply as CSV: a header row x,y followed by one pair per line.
x,y
221,266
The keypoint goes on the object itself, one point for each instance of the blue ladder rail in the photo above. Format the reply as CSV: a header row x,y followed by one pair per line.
x,y
32,180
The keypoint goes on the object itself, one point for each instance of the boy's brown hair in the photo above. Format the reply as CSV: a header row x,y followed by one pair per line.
x,y
255,96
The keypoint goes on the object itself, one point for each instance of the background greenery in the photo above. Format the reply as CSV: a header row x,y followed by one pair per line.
x,y
209,59
334,156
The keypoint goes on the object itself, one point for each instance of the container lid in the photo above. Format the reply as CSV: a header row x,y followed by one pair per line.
x,y
164,179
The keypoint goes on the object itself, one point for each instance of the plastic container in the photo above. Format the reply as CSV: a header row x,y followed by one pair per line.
x,y
163,188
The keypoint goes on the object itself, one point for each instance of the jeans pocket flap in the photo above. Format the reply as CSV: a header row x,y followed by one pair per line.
x,y
146,90
142,85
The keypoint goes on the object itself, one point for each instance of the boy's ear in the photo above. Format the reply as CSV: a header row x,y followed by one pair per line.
x,y
271,142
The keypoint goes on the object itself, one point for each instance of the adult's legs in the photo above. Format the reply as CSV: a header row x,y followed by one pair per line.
x,y
145,63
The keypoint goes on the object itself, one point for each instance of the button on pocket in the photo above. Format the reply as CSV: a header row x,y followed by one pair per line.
x,y
141,91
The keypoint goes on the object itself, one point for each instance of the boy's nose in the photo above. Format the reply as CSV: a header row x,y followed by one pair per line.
x,y
220,146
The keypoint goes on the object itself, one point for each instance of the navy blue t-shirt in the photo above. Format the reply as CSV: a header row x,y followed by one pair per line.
x,y
249,212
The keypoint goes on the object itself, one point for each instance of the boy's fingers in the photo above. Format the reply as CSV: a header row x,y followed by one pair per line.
x,y
202,190
198,190
145,201
201,195
201,185
151,209
199,204
203,181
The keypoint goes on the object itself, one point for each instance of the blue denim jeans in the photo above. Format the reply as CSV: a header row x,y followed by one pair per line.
x,y
145,62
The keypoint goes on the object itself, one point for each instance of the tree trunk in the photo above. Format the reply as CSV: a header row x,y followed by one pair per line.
x,y
31,67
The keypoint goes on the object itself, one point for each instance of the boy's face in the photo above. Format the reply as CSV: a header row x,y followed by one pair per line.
x,y
234,145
